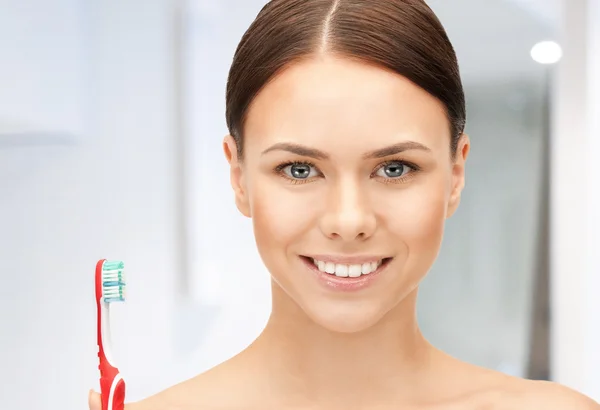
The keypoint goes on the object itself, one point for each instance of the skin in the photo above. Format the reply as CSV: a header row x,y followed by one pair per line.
x,y
326,349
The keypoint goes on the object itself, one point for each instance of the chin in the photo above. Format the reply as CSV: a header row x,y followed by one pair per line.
x,y
346,317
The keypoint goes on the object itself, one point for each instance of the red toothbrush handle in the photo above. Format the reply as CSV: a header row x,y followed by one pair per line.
x,y
112,386
119,397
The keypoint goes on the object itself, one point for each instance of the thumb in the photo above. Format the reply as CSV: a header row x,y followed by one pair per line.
x,y
94,400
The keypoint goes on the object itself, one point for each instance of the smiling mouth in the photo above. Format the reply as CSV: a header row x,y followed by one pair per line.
x,y
343,270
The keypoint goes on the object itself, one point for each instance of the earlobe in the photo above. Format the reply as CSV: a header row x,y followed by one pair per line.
x,y
236,176
458,174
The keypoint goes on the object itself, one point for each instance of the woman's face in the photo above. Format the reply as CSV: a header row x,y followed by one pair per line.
x,y
348,177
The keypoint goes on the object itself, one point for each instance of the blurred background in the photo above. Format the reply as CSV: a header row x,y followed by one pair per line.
x,y
111,122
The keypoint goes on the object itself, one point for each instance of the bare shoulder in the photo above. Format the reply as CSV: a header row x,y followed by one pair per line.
x,y
203,392
498,391
209,390
529,394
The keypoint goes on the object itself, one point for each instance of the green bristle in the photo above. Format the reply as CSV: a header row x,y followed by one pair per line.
x,y
113,281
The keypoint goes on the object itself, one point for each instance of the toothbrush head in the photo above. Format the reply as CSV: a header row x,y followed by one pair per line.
x,y
113,281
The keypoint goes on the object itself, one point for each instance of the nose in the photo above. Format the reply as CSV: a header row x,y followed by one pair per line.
x,y
348,214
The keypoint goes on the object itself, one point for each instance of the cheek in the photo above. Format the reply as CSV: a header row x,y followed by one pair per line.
x,y
419,216
280,217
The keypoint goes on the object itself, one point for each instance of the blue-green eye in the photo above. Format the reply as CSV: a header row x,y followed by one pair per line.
x,y
393,169
300,171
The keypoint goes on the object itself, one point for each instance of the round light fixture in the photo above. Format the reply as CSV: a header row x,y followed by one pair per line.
x,y
546,52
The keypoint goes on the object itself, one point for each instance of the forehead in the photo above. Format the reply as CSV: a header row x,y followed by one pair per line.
x,y
325,101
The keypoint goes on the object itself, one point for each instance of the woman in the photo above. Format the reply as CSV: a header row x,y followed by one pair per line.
x,y
347,150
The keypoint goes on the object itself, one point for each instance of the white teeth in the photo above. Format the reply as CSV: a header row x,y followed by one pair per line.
x,y
354,271
344,271
341,270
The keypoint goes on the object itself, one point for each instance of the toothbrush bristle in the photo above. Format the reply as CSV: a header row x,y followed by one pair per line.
x,y
113,281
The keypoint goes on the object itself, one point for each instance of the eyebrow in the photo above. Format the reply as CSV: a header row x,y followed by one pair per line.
x,y
305,151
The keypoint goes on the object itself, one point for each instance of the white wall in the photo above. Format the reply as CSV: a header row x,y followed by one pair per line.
x,y
576,200
227,277
113,195
43,65
592,349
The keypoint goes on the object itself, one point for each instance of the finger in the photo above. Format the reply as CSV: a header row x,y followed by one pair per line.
x,y
94,400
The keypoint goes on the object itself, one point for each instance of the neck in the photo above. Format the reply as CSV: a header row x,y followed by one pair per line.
x,y
310,361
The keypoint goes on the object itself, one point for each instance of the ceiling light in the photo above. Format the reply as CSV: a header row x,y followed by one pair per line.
x,y
546,52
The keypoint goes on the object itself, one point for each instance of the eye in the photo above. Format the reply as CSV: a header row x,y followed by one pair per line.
x,y
393,169
300,171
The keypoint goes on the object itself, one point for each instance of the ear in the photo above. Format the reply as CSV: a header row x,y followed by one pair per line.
x,y
236,175
458,174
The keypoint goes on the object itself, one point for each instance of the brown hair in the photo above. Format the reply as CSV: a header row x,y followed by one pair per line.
x,y
403,36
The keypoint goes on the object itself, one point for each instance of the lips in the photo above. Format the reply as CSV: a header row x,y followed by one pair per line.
x,y
342,273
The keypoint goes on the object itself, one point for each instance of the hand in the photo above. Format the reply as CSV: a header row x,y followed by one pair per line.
x,y
94,401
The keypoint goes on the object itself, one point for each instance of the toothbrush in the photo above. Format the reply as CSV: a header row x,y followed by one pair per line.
x,y
110,288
